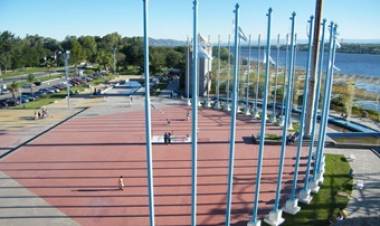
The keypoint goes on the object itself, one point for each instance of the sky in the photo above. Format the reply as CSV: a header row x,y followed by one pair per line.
x,y
172,19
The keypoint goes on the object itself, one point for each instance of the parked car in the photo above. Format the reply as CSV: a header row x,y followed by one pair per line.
x,y
3,104
12,102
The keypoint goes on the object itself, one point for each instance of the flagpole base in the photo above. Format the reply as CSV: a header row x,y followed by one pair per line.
x,y
291,207
217,106
316,182
282,121
227,107
305,196
257,223
274,218
256,115
273,119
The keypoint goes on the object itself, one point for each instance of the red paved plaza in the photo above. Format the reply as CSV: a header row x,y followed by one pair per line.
x,y
76,166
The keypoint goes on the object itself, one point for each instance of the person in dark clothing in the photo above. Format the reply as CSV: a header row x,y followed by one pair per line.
x,y
165,138
169,138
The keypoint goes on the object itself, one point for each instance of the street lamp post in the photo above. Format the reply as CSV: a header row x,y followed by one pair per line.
x,y
114,60
66,57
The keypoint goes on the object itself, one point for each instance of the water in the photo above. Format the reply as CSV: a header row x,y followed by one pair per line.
x,y
349,64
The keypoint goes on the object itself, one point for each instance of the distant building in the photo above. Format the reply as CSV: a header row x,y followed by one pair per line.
x,y
205,68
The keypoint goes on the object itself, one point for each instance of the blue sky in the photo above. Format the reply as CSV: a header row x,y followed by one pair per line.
x,y
173,18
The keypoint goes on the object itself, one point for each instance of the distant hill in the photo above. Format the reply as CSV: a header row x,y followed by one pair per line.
x,y
166,42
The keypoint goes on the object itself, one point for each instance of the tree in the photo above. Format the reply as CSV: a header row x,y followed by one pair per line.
x,y
31,79
76,51
14,88
173,58
104,58
89,47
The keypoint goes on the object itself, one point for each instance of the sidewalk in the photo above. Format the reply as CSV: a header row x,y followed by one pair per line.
x,y
365,202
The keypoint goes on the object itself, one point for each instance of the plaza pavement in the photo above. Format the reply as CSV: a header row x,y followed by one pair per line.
x,y
75,168
68,176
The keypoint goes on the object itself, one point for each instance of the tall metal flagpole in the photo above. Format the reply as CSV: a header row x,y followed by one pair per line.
x,y
276,213
235,94
209,60
228,108
148,124
274,118
291,206
194,135
218,78
255,110
247,109
285,70
254,221
293,85
188,73
304,195
318,174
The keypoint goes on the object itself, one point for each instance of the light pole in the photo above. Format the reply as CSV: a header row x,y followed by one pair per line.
x,y
67,56
274,118
319,168
304,195
148,123
291,205
275,215
235,94
256,110
114,60
194,125
247,108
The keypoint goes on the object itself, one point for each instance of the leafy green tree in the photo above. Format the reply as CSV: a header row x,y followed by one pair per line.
x,y
31,79
104,58
89,47
14,88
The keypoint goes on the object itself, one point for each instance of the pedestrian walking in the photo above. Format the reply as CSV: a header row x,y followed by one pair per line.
x,y
121,183
188,115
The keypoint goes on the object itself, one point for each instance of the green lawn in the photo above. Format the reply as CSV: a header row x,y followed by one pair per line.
x,y
327,202
43,101
26,70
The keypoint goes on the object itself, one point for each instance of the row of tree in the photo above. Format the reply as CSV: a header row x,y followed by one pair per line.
x,y
37,51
